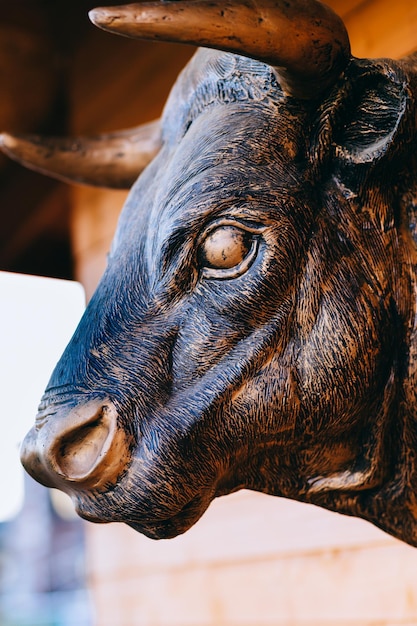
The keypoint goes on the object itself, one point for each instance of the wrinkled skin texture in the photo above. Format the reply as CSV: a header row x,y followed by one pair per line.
x,y
290,372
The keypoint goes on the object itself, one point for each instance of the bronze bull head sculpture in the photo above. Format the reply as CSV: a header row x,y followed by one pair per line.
x,y
255,327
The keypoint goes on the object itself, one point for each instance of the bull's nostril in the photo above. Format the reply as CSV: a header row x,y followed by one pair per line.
x,y
86,448
82,449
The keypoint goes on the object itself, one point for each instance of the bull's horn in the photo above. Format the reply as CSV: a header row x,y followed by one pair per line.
x,y
113,160
304,40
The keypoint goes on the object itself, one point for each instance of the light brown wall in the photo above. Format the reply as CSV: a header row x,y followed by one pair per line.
x,y
252,560
255,560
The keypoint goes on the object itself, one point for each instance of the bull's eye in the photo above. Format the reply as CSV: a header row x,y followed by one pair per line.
x,y
227,250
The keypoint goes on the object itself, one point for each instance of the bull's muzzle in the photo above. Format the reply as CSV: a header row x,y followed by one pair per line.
x,y
77,447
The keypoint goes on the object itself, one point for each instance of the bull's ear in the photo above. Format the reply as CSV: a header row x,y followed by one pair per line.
x,y
374,113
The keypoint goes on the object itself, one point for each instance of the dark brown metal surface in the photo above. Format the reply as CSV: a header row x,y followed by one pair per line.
x,y
256,325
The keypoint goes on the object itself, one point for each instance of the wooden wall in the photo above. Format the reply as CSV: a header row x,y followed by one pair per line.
x,y
252,560
255,560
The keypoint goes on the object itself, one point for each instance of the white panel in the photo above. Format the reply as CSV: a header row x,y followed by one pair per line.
x,y
37,318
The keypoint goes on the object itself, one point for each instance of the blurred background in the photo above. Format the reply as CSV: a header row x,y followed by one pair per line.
x,y
252,560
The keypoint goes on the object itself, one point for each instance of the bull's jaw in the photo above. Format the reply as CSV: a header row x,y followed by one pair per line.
x,y
80,446
142,500
178,523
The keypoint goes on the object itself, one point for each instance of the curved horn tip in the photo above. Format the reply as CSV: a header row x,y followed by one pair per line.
x,y
7,140
101,17
16,146
11,145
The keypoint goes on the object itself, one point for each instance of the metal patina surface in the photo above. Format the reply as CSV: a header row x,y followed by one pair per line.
x,y
255,326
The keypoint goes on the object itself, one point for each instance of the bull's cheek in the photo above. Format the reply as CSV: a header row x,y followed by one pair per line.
x,y
266,408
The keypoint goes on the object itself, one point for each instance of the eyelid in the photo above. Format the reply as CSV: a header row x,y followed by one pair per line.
x,y
250,227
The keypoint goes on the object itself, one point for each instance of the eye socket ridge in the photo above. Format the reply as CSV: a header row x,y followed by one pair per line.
x,y
227,248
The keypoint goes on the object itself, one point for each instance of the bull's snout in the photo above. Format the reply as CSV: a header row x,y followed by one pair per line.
x,y
77,447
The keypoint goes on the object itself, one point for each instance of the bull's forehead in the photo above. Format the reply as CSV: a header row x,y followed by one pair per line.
x,y
230,141
213,77
235,160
